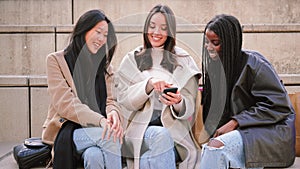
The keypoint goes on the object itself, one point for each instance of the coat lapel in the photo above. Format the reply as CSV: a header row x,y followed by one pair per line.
x,y
65,70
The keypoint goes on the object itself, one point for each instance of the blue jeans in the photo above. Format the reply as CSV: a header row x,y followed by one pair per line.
x,y
157,149
97,153
230,155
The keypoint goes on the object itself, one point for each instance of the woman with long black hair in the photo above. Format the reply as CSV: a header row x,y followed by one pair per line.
x,y
83,117
246,108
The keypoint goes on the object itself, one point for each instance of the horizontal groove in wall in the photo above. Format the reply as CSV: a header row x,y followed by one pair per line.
x,y
26,29
134,28
13,80
41,80
290,79
23,80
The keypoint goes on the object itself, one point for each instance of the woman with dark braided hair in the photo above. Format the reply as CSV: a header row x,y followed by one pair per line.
x,y
246,108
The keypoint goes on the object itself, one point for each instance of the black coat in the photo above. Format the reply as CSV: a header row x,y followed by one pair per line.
x,y
262,107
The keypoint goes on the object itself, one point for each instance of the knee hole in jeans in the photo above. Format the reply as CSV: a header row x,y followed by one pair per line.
x,y
215,143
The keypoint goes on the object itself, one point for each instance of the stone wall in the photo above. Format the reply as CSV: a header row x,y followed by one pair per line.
x,y
31,29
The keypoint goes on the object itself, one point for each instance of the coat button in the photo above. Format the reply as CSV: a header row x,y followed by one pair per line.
x,y
61,120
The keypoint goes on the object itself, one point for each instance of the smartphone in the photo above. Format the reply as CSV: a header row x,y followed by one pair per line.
x,y
172,89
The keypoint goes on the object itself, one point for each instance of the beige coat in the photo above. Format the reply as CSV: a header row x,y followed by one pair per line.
x,y
138,107
64,103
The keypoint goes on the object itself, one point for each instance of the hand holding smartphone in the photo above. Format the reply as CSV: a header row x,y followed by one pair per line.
x,y
172,89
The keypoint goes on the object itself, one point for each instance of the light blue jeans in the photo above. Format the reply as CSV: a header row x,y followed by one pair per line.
x,y
157,149
230,155
97,153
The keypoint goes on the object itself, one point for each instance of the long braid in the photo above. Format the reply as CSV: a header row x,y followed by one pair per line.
x,y
230,33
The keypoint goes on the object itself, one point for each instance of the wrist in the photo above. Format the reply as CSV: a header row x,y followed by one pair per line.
x,y
102,121
112,112
149,86
235,123
179,101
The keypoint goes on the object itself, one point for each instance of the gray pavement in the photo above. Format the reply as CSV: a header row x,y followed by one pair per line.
x,y
7,160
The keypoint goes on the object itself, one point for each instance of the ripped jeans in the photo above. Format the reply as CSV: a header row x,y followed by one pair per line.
x,y
231,155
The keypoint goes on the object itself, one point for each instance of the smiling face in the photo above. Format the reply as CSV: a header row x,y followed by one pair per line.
x,y
157,30
212,44
96,37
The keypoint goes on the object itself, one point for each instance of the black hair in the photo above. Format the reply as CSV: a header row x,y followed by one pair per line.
x,y
229,31
85,23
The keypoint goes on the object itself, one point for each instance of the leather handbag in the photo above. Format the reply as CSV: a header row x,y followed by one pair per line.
x,y
32,153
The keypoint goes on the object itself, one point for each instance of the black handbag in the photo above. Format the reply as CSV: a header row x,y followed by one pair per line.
x,y
32,153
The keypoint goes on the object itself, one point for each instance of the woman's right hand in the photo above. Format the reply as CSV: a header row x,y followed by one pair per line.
x,y
226,128
112,127
157,84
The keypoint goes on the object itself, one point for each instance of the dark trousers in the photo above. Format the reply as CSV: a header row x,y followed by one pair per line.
x,y
65,155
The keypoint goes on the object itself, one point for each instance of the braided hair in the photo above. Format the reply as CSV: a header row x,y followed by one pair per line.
x,y
229,31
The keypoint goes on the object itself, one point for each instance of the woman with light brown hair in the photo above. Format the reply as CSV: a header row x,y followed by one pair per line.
x,y
157,124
